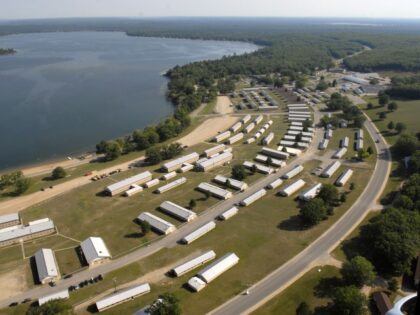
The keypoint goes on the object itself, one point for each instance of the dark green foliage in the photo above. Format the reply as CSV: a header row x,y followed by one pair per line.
x,y
382,115
322,85
391,125
167,304
157,154
54,307
239,172
10,179
58,173
383,99
144,227
313,212
352,186
358,271
392,240
329,194
405,87
153,156
405,146
192,204
393,285
414,163
392,106
338,102
112,150
22,184
348,301
410,194
303,309
7,51
400,127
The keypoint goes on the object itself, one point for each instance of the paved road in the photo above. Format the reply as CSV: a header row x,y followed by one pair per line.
x,y
278,280
168,241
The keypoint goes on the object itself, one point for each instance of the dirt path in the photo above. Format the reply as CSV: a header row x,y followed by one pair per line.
x,y
223,105
209,128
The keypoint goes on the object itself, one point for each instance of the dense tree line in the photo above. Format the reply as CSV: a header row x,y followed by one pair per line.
x,y
405,87
15,180
351,112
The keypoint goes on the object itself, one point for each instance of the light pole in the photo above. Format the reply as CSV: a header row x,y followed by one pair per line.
x,y
115,284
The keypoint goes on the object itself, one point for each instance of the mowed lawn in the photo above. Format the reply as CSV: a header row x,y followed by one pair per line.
x,y
408,112
303,290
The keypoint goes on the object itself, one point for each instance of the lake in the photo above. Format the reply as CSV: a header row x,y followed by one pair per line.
x,y
64,92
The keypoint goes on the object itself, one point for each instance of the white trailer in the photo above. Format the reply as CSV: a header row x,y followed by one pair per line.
x,y
177,211
323,144
328,134
275,153
64,294
289,137
125,184
257,135
359,134
290,151
339,153
344,143
202,230
249,128
193,263
215,191
296,123
265,159
186,167
236,127
303,145
306,139
344,177
293,172
221,265
245,119
228,213
287,143
177,163
331,169
292,188
258,119
157,223
222,136
311,193
297,119
359,144
171,185
275,184
250,140
169,175
151,183
231,182
214,150
214,161
133,190
298,128
254,197
235,138
260,168
267,140
122,296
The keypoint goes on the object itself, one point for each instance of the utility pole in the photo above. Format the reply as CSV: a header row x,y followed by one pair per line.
x,y
115,284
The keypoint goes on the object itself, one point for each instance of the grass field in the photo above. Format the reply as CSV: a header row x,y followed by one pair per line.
x,y
302,290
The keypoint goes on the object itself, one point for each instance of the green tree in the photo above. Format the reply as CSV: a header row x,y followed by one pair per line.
x,y
167,304
329,194
393,285
58,173
343,197
391,125
406,145
348,301
352,186
303,309
362,154
400,127
144,227
369,106
383,99
153,155
141,140
322,85
370,150
54,307
382,115
392,106
358,271
112,150
22,185
239,172
192,204
313,212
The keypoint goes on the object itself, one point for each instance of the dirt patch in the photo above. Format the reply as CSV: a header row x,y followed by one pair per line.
x,y
13,282
208,129
223,105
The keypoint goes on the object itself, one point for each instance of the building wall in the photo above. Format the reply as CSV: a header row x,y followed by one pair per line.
x,y
28,237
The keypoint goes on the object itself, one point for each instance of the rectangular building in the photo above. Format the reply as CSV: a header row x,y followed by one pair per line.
x,y
254,197
169,175
125,184
323,144
293,172
152,183
177,211
95,251
122,296
344,143
134,189
7,220
215,161
339,153
292,188
260,168
328,134
331,169
231,182
228,213
275,184
215,191
235,138
258,119
177,163
64,294
344,177
311,193
359,134
267,140
266,159
157,223
245,119
275,153
46,266
202,230
13,235
236,127
222,136
359,144
193,263
214,150
171,185
186,167
249,128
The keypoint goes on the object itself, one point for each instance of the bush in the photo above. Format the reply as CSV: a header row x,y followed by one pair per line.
x,y
313,212
58,173
358,271
239,172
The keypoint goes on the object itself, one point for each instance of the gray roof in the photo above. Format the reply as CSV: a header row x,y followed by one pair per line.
x,y
9,218
45,264
22,231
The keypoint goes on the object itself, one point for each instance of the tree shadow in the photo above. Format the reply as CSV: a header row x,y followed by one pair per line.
x,y
134,235
294,223
327,286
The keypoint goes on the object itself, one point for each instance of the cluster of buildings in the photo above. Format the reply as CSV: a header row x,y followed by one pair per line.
x,y
311,96
258,99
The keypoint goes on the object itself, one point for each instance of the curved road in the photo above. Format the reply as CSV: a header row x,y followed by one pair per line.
x,y
282,277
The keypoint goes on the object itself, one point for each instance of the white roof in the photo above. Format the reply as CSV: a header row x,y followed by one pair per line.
x,y
182,159
156,222
123,295
229,213
214,270
199,232
129,181
45,264
215,149
172,184
178,211
9,218
22,231
292,188
193,263
55,296
311,192
232,182
215,190
217,159
331,169
196,283
94,249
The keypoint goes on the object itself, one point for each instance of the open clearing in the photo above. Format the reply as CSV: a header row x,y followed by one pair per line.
x,y
223,105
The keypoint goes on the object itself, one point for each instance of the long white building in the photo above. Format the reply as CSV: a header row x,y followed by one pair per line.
x,y
235,138
339,153
11,219
231,182
193,263
171,185
275,153
64,294
311,193
228,213
46,266
267,140
16,234
214,150
344,177
202,230
293,172
292,188
323,144
260,168
222,136
265,159
254,197
122,296
125,184
331,169
177,211
275,184
216,161
157,223
344,143
95,251
177,163
215,191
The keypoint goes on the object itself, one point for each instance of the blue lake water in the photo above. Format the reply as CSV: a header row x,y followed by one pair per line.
x,y
64,92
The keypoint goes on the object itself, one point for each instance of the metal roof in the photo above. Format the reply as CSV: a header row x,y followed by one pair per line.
x,y
193,263
129,181
22,231
199,232
178,211
9,218
46,264
55,296
94,249
156,222
214,270
186,158
121,296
